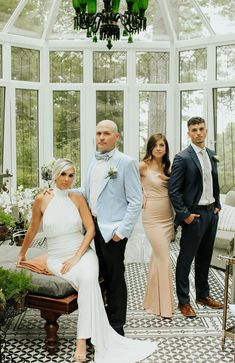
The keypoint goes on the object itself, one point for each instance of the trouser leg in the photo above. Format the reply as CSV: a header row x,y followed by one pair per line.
x,y
111,260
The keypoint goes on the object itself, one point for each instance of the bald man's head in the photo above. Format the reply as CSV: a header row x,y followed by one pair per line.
x,y
107,135
108,123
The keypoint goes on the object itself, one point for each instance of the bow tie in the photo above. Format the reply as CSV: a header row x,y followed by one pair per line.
x,y
102,156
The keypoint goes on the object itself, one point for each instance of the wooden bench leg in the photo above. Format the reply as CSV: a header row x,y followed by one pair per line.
x,y
51,309
51,327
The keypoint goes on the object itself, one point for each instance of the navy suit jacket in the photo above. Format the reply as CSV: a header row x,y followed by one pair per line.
x,y
186,182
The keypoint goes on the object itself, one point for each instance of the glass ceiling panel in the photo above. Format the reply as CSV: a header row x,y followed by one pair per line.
x,y
6,10
32,19
63,27
221,15
186,20
156,29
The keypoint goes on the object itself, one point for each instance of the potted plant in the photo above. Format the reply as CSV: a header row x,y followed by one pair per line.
x,y
7,221
15,284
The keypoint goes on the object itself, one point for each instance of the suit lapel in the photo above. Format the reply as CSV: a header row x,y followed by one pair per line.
x,y
113,163
211,160
195,158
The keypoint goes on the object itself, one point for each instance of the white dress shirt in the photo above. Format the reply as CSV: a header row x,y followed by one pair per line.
x,y
204,200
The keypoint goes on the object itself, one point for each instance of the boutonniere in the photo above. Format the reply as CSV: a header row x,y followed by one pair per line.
x,y
215,158
112,172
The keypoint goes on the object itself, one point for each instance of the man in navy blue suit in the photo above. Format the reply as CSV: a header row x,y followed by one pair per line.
x,y
194,193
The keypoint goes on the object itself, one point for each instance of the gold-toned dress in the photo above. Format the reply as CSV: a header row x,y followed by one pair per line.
x,y
157,217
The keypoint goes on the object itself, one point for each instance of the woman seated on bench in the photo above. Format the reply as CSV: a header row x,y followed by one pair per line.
x,y
64,214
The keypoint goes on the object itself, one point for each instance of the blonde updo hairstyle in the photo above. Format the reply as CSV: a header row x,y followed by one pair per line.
x,y
60,166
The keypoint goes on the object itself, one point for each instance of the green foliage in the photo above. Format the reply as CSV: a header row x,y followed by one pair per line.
x,y
2,299
14,284
6,219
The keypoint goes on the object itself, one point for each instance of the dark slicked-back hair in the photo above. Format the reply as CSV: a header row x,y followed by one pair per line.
x,y
196,120
152,141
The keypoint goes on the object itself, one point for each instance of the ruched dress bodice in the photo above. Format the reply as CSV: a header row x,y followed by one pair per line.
x,y
63,229
157,207
155,185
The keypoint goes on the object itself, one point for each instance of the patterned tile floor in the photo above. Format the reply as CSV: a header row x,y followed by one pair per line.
x,y
181,340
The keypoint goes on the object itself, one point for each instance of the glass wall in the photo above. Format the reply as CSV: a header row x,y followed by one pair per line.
x,y
109,67
224,105
66,67
27,152
192,69
25,67
0,61
152,67
224,117
195,99
66,127
109,106
2,107
191,104
145,91
25,64
193,65
225,60
152,109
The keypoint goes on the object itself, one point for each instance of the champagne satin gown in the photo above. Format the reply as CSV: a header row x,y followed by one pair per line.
x,y
62,226
157,218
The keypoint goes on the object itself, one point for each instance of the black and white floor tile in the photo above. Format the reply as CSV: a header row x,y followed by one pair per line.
x,y
179,340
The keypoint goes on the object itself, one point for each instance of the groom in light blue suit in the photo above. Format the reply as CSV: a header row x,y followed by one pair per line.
x,y
114,195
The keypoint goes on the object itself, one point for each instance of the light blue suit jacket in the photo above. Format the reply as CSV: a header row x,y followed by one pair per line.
x,y
120,197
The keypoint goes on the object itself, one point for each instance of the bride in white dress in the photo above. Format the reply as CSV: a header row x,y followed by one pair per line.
x,y
65,216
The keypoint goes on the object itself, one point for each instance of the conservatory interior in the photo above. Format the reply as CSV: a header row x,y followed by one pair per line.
x,y
148,65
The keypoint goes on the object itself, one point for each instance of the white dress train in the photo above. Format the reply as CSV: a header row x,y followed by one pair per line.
x,y
62,226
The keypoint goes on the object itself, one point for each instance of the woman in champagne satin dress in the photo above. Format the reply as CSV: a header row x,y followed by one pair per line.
x,y
69,229
157,218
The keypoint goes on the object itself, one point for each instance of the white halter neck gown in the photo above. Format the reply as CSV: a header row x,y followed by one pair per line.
x,y
62,226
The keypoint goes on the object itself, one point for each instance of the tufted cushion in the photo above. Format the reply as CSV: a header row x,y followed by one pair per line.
x,y
224,241
227,218
52,286
230,198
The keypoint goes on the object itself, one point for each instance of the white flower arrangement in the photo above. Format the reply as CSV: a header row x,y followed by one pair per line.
x,y
19,203
5,202
112,172
23,200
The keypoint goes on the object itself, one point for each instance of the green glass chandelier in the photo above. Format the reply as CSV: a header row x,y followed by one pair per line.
x,y
106,21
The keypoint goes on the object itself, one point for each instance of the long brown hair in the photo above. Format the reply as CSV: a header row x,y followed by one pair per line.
x,y
152,141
